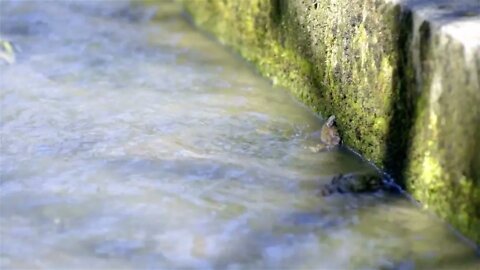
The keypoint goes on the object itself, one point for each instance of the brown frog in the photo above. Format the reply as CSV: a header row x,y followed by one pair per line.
x,y
329,136
353,183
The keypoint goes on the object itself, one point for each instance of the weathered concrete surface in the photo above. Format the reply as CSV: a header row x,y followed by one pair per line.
x,y
402,77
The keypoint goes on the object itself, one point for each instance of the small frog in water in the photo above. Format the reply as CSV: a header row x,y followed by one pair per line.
x,y
329,136
352,183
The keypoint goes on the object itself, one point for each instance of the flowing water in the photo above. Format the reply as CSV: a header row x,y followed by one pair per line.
x,y
128,142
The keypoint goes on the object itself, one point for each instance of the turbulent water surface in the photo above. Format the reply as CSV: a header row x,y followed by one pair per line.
x,y
128,142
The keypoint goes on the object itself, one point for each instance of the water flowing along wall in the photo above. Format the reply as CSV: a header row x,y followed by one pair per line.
x,y
402,77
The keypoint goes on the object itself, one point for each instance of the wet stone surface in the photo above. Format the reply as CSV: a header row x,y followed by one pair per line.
x,y
131,143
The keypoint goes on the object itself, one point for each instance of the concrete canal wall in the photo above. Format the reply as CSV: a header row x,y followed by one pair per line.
x,y
402,77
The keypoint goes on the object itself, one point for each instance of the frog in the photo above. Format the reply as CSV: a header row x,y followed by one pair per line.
x,y
329,136
353,183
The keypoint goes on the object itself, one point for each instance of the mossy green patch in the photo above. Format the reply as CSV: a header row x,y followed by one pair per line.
x,y
443,169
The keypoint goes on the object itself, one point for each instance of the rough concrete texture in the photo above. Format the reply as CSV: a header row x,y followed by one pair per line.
x,y
402,77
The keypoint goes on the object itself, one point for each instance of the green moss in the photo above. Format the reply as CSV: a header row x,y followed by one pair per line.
x,y
355,60
443,170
